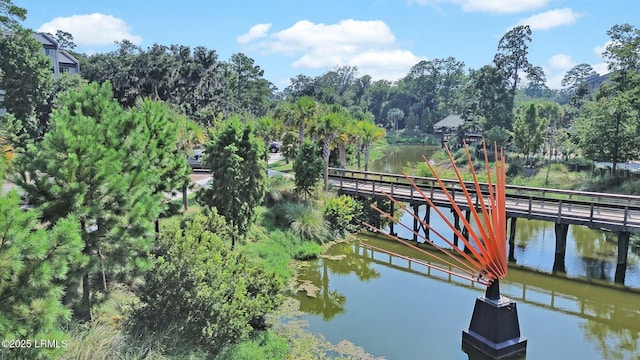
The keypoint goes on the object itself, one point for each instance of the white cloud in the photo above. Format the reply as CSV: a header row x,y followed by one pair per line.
x,y
557,66
256,32
92,30
489,6
561,61
500,6
599,50
550,19
369,45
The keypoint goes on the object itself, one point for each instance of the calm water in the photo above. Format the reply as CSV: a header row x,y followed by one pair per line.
x,y
395,157
590,254
393,311
377,302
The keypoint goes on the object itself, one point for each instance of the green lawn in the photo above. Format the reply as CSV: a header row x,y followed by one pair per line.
x,y
281,165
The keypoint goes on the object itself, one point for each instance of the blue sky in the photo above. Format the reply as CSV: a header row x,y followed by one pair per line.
x,y
383,38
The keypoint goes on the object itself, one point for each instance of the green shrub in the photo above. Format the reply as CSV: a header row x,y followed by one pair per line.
x,y
265,346
340,212
307,250
515,168
210,295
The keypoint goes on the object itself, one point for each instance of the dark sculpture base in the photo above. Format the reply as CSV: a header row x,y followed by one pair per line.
x,y
494,329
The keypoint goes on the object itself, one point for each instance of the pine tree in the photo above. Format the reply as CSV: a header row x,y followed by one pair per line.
x,y
105,166
308,168
237,159
33,264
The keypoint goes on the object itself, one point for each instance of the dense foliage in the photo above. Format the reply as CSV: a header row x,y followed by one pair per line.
x,y
237,159
34,262
202,292
107,167
308,168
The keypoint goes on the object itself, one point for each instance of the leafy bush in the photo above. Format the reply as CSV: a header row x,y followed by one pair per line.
x,y
340,212
308,167
265,346
210,295
515,168
279,248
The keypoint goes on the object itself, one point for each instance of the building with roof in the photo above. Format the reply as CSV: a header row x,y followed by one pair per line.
x,y
449,127
62,61
449,124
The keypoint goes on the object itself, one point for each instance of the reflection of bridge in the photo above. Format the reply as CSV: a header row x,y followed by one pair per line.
x,y
561,295
614,212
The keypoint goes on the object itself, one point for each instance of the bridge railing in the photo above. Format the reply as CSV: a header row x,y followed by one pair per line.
x,y
593,205
513,190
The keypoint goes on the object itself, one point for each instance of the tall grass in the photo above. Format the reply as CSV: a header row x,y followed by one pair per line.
x,y
307,222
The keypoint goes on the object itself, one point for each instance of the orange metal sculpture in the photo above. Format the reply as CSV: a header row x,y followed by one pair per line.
x,y
494,329
486,257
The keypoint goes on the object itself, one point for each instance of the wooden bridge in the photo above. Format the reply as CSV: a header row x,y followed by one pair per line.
x,y
613,212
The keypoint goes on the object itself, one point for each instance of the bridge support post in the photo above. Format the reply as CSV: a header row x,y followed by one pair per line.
x,y
512,239
494,329
392,211
456,223
427,220
465,231
623,251
561,231
416,224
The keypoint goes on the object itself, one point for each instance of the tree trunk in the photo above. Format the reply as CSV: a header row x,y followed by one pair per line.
x,y
326,153
367,154
102,273
185,200
84,312
342,149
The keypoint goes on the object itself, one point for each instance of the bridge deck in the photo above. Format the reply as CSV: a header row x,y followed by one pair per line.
x,y
597,210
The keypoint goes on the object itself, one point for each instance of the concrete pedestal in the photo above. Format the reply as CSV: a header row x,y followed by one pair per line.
x,y
494,329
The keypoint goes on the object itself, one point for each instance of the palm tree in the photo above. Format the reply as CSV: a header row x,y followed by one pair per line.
x,y
305,110
347,134
369,133
327,129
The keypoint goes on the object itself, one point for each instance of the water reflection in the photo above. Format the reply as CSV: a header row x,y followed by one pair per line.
x,y
590,254
318,298
402,310
395,157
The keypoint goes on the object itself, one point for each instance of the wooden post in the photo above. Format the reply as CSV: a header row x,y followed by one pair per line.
x,y
465,231
456,222
623,250
416,224
561,231
427,217
512,239
391,223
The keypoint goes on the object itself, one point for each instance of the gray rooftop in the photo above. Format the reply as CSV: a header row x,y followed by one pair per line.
x,y
451,121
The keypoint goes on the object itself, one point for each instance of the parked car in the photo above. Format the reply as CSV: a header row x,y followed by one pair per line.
x,y
275,146
195,161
